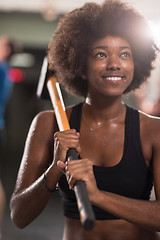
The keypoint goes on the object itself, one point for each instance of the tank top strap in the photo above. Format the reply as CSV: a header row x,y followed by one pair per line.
x,y
75,118
133,130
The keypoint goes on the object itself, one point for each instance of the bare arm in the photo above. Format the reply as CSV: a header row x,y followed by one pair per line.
x,y
29,197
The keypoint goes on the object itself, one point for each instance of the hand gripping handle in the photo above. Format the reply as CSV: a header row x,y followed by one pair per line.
x,y
87,216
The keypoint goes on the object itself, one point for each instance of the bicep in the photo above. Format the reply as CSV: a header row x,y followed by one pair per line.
x,y
38,151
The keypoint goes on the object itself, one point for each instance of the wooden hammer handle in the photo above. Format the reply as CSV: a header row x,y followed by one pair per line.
x,y
87,216
57,102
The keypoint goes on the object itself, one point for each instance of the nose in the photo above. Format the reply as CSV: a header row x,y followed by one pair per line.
x,y
113,63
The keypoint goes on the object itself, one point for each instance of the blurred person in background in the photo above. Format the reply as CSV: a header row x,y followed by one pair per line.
x,y
6,86
99,52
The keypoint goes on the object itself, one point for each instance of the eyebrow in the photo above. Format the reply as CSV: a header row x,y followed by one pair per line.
x,y
105,47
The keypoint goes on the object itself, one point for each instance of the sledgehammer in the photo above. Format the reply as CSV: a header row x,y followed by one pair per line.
x,y
87,216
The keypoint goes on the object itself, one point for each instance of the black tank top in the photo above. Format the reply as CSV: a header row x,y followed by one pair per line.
x,y
130,177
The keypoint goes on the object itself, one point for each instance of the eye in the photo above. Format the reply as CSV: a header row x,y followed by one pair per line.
x,y
101,55
126,55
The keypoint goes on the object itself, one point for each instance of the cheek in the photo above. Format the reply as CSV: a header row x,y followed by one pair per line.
x,y
95,67
130,76
91,70
130,70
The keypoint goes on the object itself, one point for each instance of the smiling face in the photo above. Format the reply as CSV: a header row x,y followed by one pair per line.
x,y
110,66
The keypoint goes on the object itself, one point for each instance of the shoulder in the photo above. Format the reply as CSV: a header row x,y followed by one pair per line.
x,y
150,126
46,120
149,120
44,117
44,123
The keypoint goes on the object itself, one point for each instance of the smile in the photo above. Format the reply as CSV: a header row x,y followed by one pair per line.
x,y
116,78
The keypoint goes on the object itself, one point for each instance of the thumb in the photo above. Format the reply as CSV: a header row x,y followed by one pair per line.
x,y
61,166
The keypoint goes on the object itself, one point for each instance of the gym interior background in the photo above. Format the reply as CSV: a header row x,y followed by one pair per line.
x,y
32,28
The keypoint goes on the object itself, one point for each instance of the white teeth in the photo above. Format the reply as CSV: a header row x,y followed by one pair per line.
x,y
114,78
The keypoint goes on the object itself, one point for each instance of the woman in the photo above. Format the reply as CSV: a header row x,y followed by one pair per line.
x,y
105,55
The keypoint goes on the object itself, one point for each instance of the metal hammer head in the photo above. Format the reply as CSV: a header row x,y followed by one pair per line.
x,y
42,91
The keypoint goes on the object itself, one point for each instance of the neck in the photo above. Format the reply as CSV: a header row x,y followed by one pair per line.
x,y
100,109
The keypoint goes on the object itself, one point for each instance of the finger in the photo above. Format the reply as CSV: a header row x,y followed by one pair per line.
x,y
67,133
61,166
63,142
67,141
70,179
81,169
79,164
